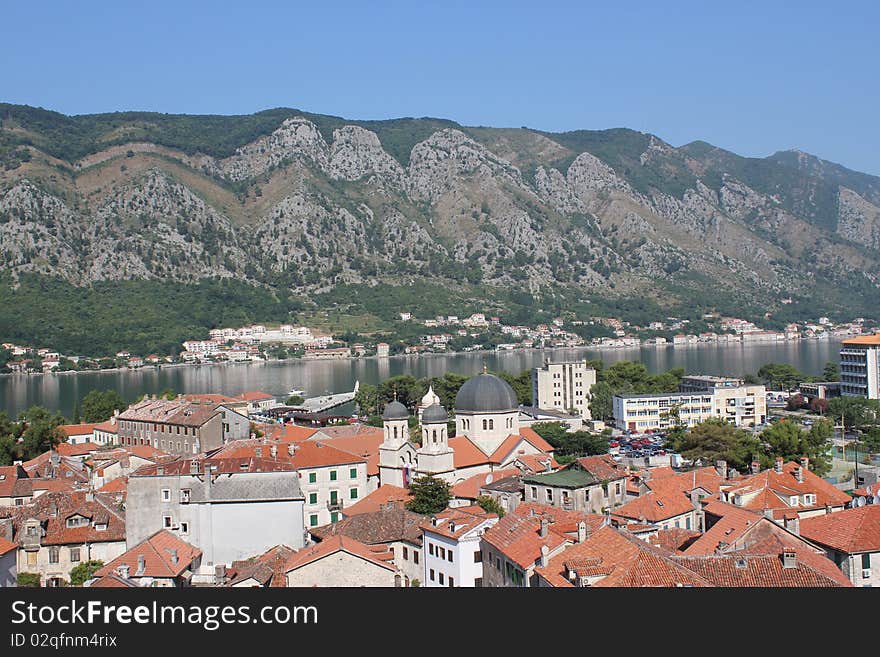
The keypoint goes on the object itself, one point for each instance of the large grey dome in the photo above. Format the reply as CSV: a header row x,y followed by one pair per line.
x,y
434,413
485,393
395,411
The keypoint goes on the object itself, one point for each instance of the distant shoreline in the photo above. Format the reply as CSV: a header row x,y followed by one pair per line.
x,y
427,355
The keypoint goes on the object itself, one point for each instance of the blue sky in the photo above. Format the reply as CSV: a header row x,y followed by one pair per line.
x,y
752,77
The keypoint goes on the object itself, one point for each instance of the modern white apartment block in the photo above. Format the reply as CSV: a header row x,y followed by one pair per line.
x,y
563,386
860,367
699,398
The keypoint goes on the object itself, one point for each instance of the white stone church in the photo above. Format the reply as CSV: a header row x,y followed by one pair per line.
x,y
487,435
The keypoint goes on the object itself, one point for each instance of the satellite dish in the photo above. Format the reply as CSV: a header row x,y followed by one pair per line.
x,y
876,498
861,501
489,479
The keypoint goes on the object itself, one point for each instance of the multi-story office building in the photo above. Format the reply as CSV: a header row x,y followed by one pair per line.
x,y
860,367
563,386
699,398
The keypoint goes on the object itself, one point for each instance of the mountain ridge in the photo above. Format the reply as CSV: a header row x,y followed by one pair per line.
x,y
305,203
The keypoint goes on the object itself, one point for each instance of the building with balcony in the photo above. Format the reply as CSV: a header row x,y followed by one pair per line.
x,y
860,367
563,386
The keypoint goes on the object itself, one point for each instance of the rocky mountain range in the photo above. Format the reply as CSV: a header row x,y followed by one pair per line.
x,y
307,202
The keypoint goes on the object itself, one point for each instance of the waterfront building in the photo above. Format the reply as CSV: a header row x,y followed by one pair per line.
x,y
563,386
860,367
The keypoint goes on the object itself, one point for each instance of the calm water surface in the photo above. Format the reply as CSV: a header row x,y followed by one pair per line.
x,y
61,392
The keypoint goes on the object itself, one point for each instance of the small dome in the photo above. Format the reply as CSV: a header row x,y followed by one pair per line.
x,y
485,393
395,411
430,398
434,413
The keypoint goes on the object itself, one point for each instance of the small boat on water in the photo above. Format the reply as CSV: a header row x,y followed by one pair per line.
x,y
293,392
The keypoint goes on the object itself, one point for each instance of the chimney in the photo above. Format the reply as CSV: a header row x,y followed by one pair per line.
x,y
160,469
793,525
194,466
721,467
291,448
142,565
805,463
122,570
544,525
90,496
273,451
799,473
756,467
547,465
779,462
827,509
583,531
174,556
789,559
722,545
545,556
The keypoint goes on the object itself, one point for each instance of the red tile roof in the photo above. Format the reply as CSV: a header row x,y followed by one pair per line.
x,y
267,569
674,539
54,509
851,531
390,523
536,463
864,339
118,485
466,453
769,489
80,449
728,525
621,560
453,523
377,499
158,553
380,557
469,489
764,570
255,395
603,466
668,496
6,546
364,442
10,475
539,443
112,581
77,429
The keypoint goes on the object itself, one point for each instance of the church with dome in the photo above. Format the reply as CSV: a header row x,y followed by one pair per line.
x,y
487,435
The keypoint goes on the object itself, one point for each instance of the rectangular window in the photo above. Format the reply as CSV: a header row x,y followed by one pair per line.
x,y
549,494
617,488
478,556
74,555
166,494
333,475
441,552
53,554
534,492
333,497
431,575
416,557
431,549
866,560
442,578
313,498
353,493
313,477
405,554
313,520
449,556
451,581
184,528
334,517
353,473
32,558
166,521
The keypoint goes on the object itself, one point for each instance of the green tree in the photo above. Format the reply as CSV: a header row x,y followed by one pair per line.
x,y
98,406
795,402
571,444
41,431
490,505
601,401
786,439
781,376
29,580
168,394
430,495
831,371
857,412
83,571
296,400
715,439
367,399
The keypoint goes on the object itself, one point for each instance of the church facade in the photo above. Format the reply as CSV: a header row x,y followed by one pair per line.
x,y
487,435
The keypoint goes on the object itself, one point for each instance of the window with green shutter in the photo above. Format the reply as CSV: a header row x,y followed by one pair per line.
x,y
313,520
333,475
866,560
333,497
353,473
334,517
313,477
313,498
353,493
